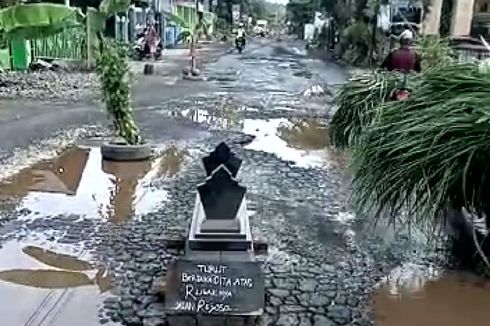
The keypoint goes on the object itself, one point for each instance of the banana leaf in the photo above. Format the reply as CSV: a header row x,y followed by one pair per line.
x,y
177,19
38,20
184,36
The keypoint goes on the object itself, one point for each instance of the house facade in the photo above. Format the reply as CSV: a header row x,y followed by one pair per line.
x,y
469,17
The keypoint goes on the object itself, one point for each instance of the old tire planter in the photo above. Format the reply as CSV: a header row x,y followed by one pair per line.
x,y
149,69
125,153
127,170
193,78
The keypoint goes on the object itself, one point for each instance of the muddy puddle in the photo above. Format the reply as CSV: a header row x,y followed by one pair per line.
x,y
50,284
428,298
302,141
78,182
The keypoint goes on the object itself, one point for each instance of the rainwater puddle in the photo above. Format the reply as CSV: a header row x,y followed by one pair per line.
x,y
50,284
79,182
222,118
302,141
427,298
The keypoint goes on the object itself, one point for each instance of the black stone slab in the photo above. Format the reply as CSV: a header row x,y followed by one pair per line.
x,y
220,226
227,243
215,288
222,155
221,195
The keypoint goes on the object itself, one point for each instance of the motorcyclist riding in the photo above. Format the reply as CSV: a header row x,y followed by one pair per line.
x,y
240,34
403,59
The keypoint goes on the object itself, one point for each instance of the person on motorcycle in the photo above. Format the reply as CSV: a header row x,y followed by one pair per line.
x,y
403,59
240,33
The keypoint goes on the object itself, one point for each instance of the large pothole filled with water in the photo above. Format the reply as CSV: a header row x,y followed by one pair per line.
x,y
80,183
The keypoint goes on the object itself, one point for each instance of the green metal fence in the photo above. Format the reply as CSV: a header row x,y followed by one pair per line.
x,y
69,44
4,59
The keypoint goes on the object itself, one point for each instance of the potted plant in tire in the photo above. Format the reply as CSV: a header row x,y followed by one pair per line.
x,y
113,71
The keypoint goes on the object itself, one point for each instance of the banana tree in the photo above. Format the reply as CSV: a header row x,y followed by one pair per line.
x,y
96,21
35,20
191,32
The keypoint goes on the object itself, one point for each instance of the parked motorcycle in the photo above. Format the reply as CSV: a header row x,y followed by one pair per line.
x,y
240,44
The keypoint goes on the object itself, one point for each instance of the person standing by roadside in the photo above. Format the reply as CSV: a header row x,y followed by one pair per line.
x,y
152,39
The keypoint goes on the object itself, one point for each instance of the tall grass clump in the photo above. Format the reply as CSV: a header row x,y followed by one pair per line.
x,y
429,152
435,52
362,96
357,104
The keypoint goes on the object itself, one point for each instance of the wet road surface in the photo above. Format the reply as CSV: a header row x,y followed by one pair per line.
x,y
83,237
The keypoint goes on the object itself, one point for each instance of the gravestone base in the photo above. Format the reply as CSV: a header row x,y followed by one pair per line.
x,y
220,235
181,320
196,320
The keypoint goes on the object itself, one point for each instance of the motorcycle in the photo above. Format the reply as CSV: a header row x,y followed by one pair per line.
x,y
142,49
240,44
401,93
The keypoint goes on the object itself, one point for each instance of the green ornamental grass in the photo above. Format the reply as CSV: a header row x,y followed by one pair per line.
x,y
429,152
358,103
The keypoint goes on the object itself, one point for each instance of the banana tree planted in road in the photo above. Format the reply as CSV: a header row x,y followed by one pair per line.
x,y
191,33
113,71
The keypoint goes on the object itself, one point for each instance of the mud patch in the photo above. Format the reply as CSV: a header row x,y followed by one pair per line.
x,y
451,299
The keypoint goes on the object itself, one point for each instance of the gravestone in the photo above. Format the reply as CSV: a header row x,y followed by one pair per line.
x,y
220,220
221,195
219,276
222,155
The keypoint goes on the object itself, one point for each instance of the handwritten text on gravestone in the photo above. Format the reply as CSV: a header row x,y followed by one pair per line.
x,y
218,288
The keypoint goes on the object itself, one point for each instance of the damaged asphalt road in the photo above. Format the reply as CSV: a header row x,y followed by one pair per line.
x,y
318,273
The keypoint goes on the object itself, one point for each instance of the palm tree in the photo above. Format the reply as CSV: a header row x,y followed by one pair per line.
x,y
190,33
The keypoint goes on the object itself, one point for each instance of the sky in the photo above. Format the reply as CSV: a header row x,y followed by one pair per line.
x,y
284,2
